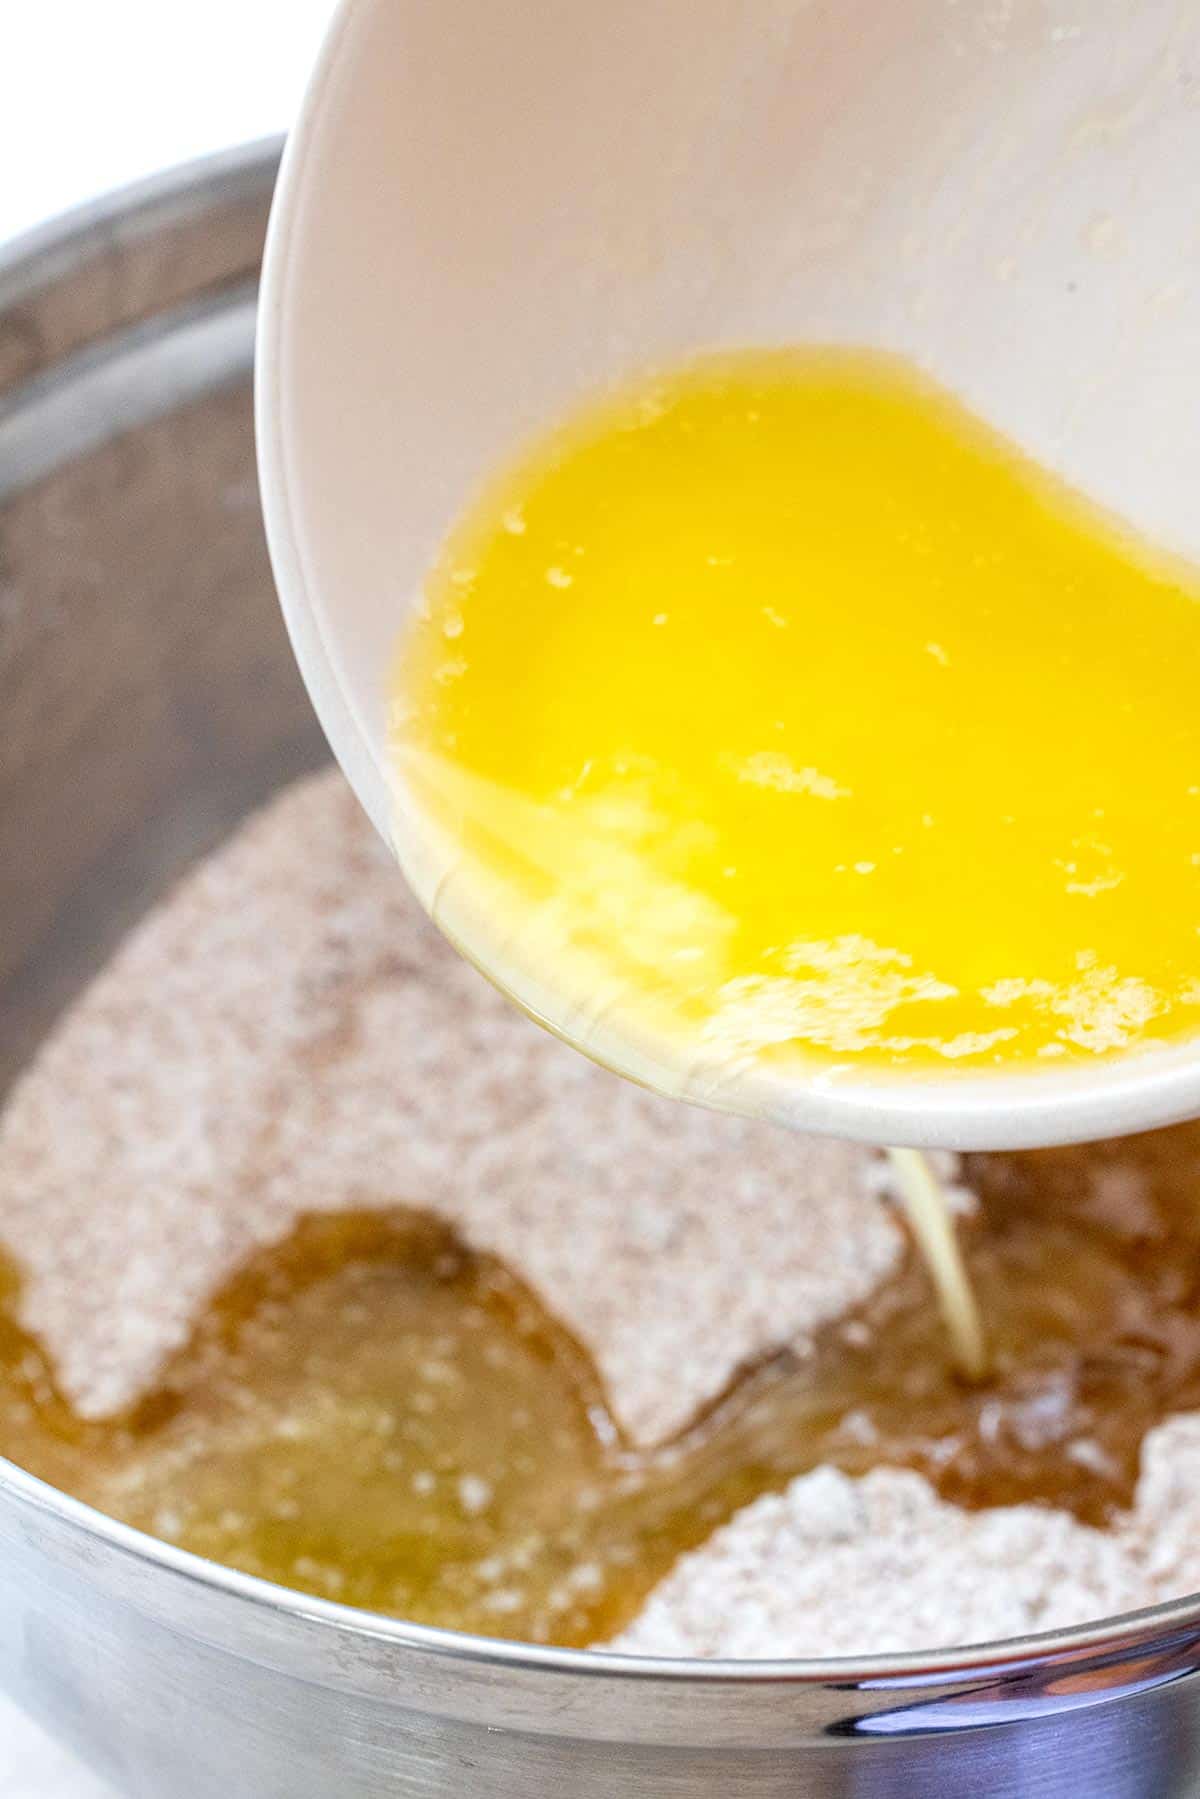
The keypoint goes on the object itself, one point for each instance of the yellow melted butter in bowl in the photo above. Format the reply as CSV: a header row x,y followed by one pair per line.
x,y
777,710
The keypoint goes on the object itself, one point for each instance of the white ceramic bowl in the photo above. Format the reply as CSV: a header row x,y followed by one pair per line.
x,y
488,210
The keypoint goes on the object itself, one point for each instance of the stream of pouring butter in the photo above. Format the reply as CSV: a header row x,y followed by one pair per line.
x,y
932,1224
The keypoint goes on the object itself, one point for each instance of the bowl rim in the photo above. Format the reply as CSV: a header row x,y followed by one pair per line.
x,y
35,260
42,254
897,1670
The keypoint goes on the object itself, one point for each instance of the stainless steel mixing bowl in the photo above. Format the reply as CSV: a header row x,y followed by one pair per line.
x,y
147,701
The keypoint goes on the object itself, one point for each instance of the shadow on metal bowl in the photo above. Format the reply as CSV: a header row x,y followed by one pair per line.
x,y
149,700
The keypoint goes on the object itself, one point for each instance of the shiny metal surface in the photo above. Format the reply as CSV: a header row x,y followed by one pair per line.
x,y
148,700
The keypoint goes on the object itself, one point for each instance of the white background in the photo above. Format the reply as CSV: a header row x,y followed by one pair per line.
x,y
95,93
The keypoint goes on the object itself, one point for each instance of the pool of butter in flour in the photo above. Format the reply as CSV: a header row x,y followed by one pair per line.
x,y
359,1401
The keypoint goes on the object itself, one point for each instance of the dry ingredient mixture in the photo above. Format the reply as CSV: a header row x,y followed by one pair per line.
x,y
334,1268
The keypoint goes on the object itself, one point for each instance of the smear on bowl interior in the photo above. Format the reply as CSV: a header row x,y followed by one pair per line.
x,y
777,710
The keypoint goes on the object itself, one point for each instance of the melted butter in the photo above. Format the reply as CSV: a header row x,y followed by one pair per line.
x,y
373,1414
777,709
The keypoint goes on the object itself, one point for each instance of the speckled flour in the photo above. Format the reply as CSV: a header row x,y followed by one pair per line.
x,y
836,1566
286,1034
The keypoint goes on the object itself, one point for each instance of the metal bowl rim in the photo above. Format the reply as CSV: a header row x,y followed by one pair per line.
x,y
37,258
923,1668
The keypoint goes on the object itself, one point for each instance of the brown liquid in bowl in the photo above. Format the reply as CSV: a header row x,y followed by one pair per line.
x,y
375,1414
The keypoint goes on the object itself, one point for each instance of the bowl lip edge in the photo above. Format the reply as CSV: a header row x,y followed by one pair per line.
x,y
289,555
1001,1660
39,256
